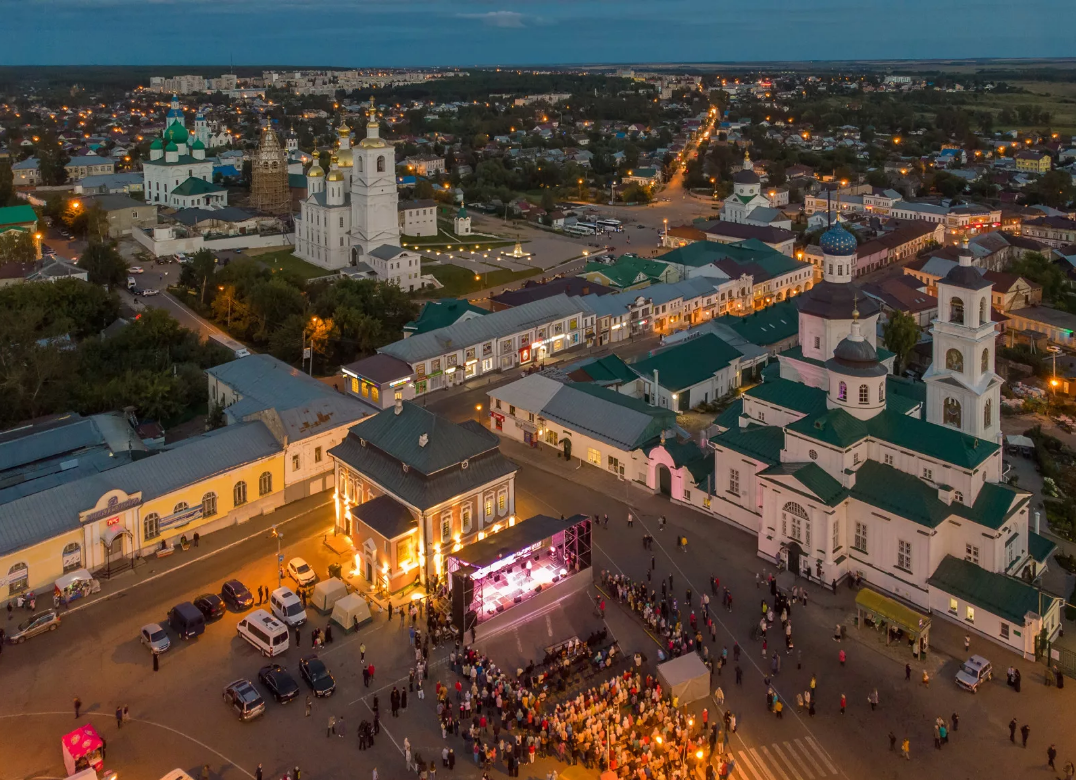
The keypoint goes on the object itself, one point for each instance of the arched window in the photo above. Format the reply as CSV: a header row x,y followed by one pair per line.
x,y
987,414
954,360
982,311
958,497
209,504
18,578
239,493
881,392
985,361
72,557
265,483
864,394
795,523
151,528
951,412
842,391
180,507
956,311
381,163
358,164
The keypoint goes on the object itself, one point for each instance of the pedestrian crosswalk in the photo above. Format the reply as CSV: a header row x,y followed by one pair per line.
x,y
797,759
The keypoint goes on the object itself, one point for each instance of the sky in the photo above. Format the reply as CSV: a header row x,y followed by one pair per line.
x,y
425,33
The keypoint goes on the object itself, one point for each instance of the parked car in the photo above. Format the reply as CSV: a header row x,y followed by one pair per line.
x,y
300,571
136,269
317,675
150,291
279,682
973,673
236,595
211,605
36,624
154,637
244,698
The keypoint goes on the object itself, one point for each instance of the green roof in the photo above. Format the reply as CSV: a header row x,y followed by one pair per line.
x,y
171,147
296,181
157,144
1039,547
195,186
835,426
763,443
790,395
814,478
688,363
765,326
183,159
700,253
730,417
197,144
440,314
998,594
607,370
628,270
903,395
17,215
796,353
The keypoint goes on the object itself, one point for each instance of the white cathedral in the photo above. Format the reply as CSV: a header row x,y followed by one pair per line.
x,y
349,216
178,174
842,468
742,206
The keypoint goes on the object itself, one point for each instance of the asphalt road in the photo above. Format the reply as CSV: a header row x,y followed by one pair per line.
x,y
179,719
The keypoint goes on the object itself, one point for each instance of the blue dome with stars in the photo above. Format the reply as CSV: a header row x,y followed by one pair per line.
x,y
838,241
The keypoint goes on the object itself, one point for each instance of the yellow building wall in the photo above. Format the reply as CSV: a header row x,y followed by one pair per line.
x,y
222,485
44,562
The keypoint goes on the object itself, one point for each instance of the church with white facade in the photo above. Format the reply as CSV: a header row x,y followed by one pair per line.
x,y
178,174
747,205
348,219
841,468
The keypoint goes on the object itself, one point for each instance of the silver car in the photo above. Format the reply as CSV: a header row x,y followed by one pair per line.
x,y
153,637
37,624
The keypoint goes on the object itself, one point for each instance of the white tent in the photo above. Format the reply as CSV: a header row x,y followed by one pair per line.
x,y
351,612
327,593
686,678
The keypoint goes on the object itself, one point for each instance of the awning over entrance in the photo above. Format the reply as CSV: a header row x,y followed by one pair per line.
x,y
113,533
882,607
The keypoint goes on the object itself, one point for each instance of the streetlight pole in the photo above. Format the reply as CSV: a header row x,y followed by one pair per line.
x,y
279,562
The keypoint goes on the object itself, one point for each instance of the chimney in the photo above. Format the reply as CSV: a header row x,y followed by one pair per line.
x,y
1036,514
399,406
423,439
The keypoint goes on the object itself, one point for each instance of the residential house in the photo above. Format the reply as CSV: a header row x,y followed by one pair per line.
x,y
123,213
417,217
1032,161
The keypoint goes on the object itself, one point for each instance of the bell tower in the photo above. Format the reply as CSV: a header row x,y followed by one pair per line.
x,y
374,221
963,392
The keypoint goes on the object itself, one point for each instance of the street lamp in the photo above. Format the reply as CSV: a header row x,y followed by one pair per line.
x,y
279,557
478,412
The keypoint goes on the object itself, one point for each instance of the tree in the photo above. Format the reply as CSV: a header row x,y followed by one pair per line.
x,y
51,159
7,184
423,189
549,202
1054,188
215,418
900,334
198,274
635,193
17,246
104,265
948,185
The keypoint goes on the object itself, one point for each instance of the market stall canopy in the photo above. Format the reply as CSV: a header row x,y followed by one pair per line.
x,y
893,611
686,678
78,575
1020,441
327,593
351,612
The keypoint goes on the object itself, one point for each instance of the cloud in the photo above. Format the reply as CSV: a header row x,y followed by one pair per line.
x,y
507,19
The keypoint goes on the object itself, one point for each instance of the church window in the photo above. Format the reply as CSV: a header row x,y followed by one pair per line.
x,y
985,361
881,392
986,414
734,482
954,360
982,311
842,392
381,163
836,535
341,221
860,542
904,555
956,311
951,412
864,394
817,342
358,164
887,459
928,474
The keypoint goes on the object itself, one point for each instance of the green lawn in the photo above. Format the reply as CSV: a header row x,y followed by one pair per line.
x,y
461,283
285,259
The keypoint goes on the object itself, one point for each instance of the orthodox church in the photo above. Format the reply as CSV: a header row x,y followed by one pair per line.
x,y
178,174
741,207
349,216
841,468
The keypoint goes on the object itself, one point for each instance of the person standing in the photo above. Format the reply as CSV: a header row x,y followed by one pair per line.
x,y
905,749
258,773
967,644
78,706
937,736
331,729
844,703
309,705
1025,730
119,717
892,742
1051,756
156,661
362,652
1012,731
907,672
956,721
205,771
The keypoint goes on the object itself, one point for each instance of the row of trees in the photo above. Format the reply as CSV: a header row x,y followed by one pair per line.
x,y
280,313
53,359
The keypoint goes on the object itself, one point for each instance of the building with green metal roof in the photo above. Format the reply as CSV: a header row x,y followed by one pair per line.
x,y
440,314
630,272
23,217
690,373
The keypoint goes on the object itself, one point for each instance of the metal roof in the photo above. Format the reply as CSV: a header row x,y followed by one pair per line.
x,y
43,515
495,325
517,537
616,419
531,393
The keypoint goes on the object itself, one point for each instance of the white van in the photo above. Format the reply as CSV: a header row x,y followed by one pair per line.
x,y
265,632
177,774
131,283
287,607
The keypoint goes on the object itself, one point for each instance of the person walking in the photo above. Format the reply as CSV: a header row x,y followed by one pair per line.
x,y
873,699
906,749
156,661
362,652
937,736
967,644
78,706
844,703
331,729
907,672
892,742
1025,730
926,679
309,705
956,721
1012,731
119,717
258,773
1051,756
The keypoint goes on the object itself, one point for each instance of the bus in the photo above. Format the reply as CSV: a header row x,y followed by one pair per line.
x,y
576,230
610,225
591,227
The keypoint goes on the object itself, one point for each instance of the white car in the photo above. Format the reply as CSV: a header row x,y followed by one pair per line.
x,y
136,269
300,571
149,291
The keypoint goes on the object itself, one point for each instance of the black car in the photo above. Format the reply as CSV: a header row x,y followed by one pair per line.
x,y
279,682
317,676
211,605
236,595
244,698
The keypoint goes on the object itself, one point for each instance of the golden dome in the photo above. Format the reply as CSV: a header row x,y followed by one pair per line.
x,y
343,129
315,170
373,143
335,175
345,158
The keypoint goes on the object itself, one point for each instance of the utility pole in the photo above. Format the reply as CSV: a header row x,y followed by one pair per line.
x,y
279,561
